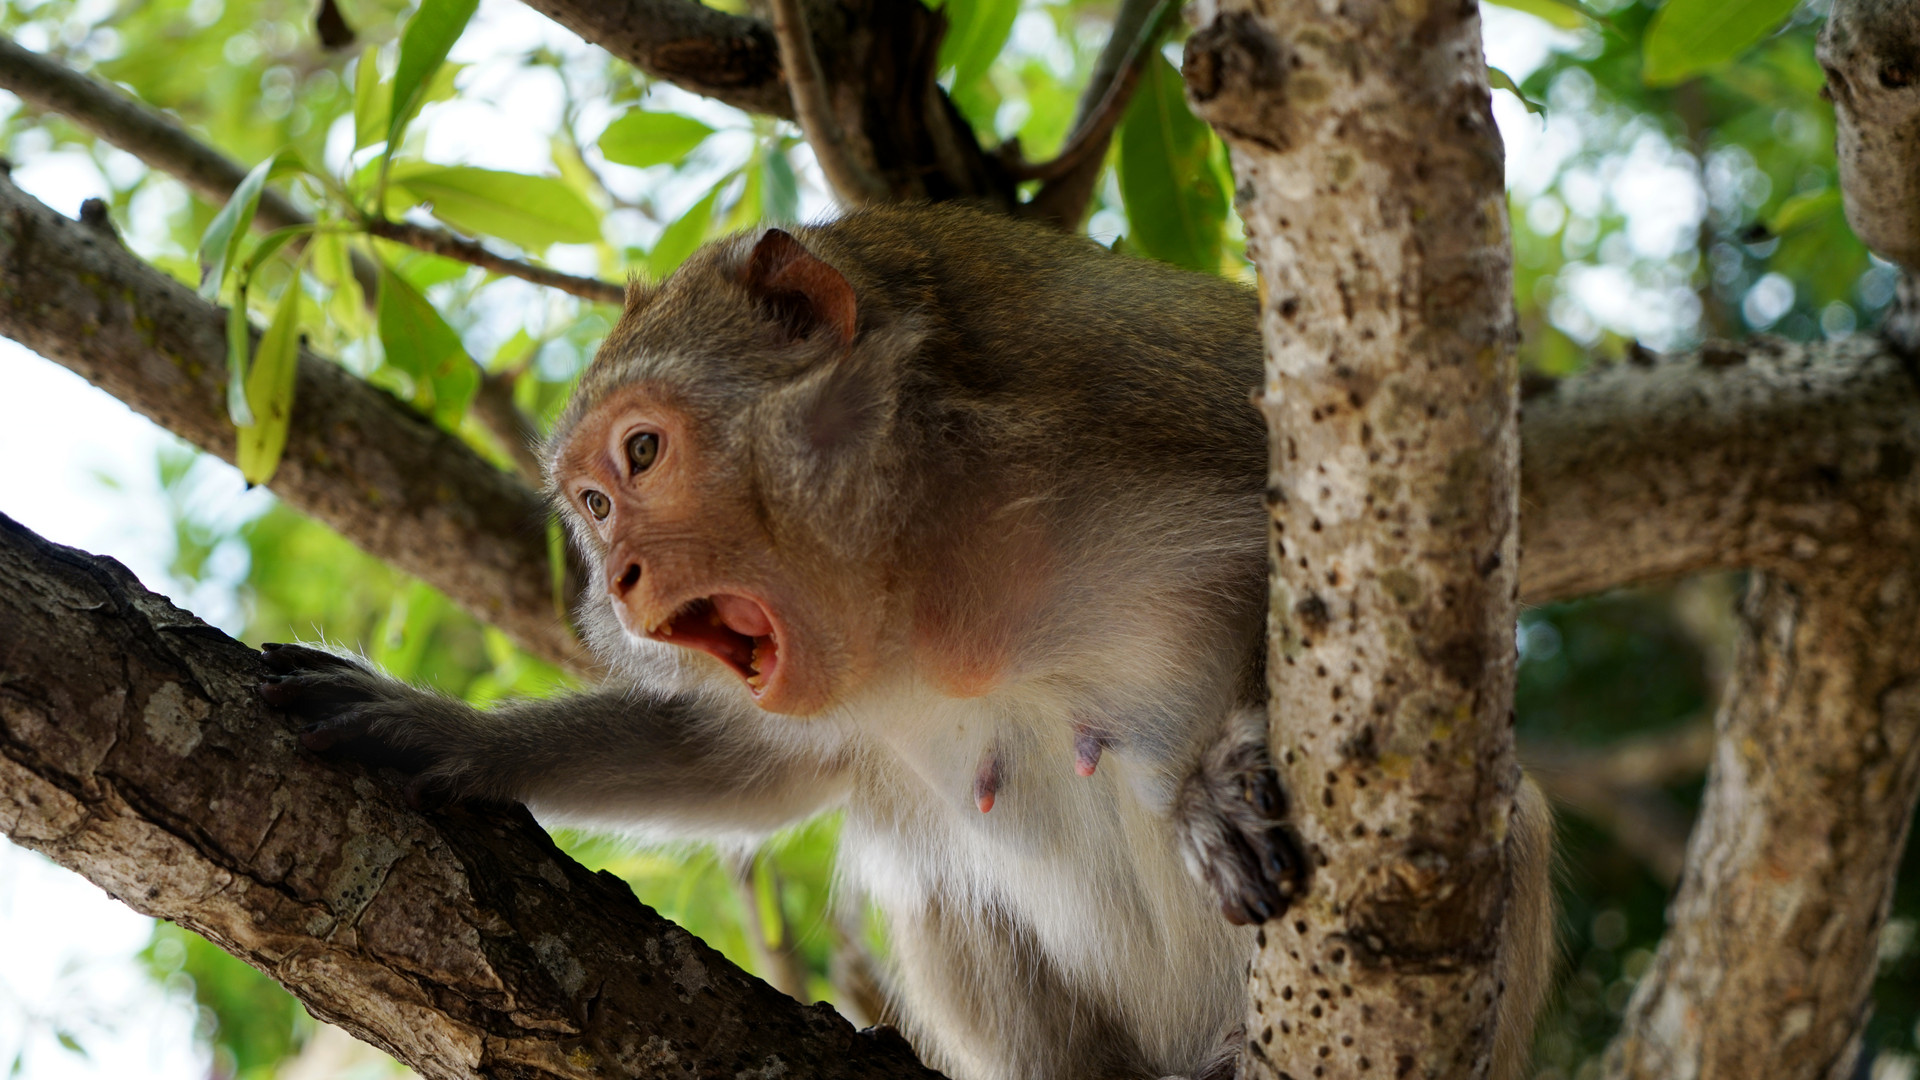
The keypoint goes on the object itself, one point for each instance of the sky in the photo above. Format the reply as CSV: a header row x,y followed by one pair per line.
x,y
67,951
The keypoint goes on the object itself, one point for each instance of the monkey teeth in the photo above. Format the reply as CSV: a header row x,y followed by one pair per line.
x,y
735,630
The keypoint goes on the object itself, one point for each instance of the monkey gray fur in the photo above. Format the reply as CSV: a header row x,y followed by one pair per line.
x,y
977,506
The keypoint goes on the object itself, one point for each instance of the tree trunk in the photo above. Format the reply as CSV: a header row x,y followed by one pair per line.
x,y
135,750
1386,284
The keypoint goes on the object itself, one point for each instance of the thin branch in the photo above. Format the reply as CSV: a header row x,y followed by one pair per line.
x,y
1095,128
135,750
1618,788
445,244
849,177
145,132
356,459
148,134
1063,200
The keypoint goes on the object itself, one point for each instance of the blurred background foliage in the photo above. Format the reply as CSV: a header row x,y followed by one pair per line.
x,y
1668,185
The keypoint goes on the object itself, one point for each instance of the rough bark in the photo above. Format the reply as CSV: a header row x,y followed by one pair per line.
x,y
1734,456
135,750
356,459
1390,396
1870,50
878,63
1770,953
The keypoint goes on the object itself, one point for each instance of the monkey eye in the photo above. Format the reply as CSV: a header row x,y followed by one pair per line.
x,y
642,448
597,505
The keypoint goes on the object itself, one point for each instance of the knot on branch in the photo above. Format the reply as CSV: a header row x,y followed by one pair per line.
x,y
1236,74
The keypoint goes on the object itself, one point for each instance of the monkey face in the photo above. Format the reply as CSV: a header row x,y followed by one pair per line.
x,y
685,556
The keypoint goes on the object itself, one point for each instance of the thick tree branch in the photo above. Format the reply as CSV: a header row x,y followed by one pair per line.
x,y
356,459
1867,50
729,58
850,177
878,59
135,750
1770,952
1764,454
1375,211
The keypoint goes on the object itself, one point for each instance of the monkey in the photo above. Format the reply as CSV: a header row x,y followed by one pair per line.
x,y
954,523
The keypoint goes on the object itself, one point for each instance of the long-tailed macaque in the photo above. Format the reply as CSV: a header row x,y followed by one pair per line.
x,y
954,523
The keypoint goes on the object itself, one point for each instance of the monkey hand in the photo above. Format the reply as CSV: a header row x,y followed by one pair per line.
x,y
351,710
1231,814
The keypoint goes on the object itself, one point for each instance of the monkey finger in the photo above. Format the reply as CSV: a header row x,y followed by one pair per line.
x,y
314,697
286,659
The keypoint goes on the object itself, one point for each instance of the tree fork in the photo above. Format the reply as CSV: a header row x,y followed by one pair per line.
x,y
135,750
1386,308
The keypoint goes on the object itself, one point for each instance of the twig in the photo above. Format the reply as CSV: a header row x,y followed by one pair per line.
x,y
1095,128
1618,788
445,244
1062,200
849,177
148,134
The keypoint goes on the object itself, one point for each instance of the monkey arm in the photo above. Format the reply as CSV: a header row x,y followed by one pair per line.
x,y
682,765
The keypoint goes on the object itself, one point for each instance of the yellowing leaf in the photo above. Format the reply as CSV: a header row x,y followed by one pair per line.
x,y
270,383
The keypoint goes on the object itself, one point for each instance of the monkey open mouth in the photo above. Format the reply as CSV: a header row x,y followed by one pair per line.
x,y
733,629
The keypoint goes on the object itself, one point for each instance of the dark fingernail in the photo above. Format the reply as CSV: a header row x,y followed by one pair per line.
x,y
318,739
274,693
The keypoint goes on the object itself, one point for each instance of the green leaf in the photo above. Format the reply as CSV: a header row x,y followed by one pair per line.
x,y
1176,208
419,342
67,1040
271,244
1803,209
1500,80
270,390
1564,16
239,341
680,239
976,32
372,110
530,211
782,195
1691,36
642,138
221,241
423,48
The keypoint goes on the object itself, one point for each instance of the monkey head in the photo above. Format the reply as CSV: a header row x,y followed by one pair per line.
x,y
722,464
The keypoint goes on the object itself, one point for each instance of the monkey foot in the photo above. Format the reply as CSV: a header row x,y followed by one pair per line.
x,y
1232,814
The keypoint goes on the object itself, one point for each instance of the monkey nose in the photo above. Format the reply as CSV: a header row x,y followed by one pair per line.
x,y
622,583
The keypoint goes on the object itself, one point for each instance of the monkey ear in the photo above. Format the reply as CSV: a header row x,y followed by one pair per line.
x,y
804,294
